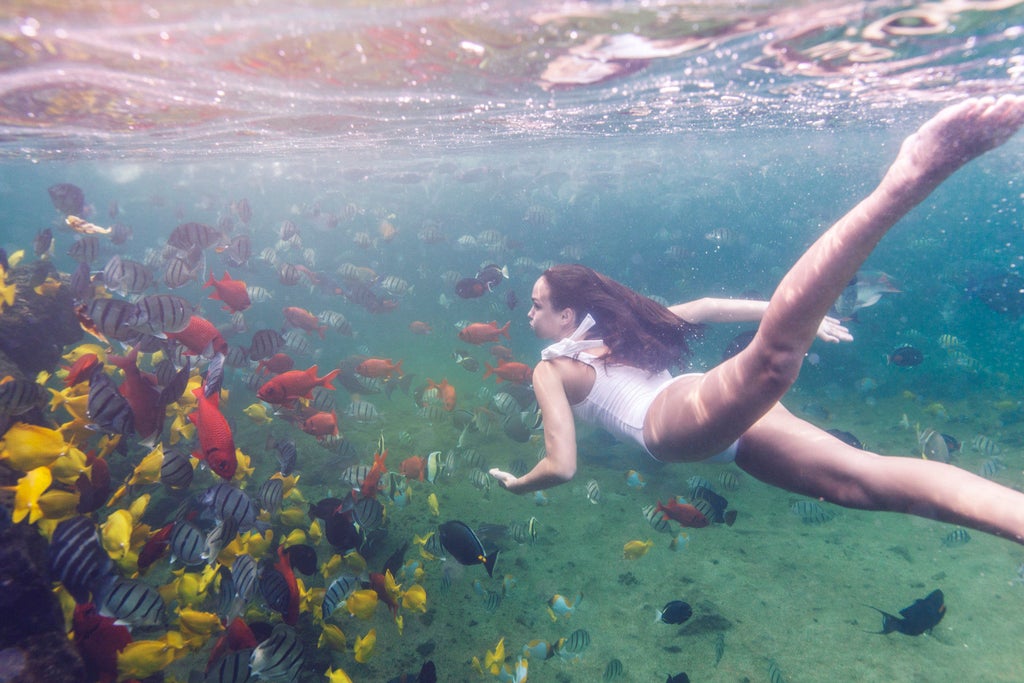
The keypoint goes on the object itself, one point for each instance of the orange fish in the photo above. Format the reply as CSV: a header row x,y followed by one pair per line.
x,y
200,337
379,367
370,486
232,292
481,333
303,319
510,371
445,391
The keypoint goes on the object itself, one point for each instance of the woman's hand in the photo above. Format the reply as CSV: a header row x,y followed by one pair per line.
x,y
505,479
831,330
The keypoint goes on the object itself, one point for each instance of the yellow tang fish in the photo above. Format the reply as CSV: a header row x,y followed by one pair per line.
x,y
362,603
69,467
636,549
27,492
432,504
257,412
337,676
27,447
57,504
495,658
116,534
332,637
363,647
415,598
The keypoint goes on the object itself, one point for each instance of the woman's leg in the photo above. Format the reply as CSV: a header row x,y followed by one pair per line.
x,y
785,451
694,419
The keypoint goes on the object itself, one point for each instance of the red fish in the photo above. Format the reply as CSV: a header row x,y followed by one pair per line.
x,y
420,327
143,397
81,369
98,640
378,582
445,391
216,444
200,337
321,424
303,319
684,513
232,292
510,371
379,367
237,636
156,545
481,333
370,486
413,467
276,364
283,565
93,490
294,384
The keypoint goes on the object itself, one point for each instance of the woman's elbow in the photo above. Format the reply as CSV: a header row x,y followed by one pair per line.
x,y
563,472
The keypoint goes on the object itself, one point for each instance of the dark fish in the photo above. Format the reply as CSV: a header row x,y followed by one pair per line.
x,y
1002,293
188,543
738,343
120,233
107,408
303,558
177,384
675,612
574,644
131,602
238,357
341,533
810,512
279,657
470,288
227,501
193,235
920,617
176,469
906,356
846,437
265,343
613,671
324,508
680,678
462,543
239,250
288,274
956,537
43,243
427,674
67,198
77,558
367,514
491,275
511,300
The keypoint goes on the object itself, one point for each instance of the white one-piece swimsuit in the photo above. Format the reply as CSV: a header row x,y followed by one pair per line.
x,y
621,395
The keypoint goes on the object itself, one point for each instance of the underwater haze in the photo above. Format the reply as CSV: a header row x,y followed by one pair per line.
x,y
357,160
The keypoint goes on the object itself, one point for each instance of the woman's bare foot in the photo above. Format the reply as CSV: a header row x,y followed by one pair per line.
x,y
950,139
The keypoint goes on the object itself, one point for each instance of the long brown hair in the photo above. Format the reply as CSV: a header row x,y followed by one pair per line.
x,y
638,330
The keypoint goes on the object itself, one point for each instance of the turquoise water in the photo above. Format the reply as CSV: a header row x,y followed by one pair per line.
x,y
688,171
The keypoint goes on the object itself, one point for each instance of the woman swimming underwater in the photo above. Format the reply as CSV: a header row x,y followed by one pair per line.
x,y
612,348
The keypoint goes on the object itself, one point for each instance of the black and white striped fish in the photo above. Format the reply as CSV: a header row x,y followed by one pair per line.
x,y
187,543
107,408
160,313
193,235
77,558
176,469
279,657
227,501
265,343
131,602
270,495
18,396
113,318
338,592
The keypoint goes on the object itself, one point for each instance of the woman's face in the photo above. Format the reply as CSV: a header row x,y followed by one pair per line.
x,y
547,323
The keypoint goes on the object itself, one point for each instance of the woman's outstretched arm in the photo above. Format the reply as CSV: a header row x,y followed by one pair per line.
x,y
713,310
